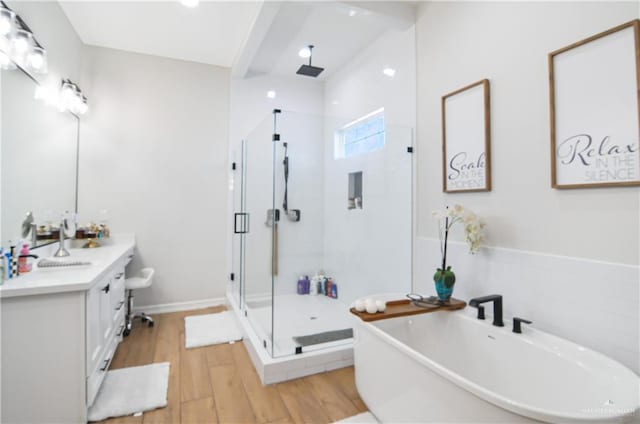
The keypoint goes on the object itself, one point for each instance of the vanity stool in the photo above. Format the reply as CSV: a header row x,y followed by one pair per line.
x,y
143,280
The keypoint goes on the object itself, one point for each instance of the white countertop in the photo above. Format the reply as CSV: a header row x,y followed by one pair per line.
x,y
66,279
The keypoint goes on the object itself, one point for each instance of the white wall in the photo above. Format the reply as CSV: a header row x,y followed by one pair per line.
x,y
39,142
567,259
154,154
300,125
508,43
368,250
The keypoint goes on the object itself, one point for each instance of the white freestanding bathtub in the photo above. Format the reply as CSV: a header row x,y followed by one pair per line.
x,y
450,367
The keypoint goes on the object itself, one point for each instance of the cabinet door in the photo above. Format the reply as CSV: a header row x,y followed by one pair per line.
x,y
95,337
117,294
118,307
106,318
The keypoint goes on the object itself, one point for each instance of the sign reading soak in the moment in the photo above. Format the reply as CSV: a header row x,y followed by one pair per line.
x,y
465,139
594,110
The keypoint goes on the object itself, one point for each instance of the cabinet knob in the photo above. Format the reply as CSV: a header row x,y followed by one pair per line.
x,y
120,306
106,288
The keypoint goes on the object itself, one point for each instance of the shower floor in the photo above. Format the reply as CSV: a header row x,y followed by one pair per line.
x,y
298,315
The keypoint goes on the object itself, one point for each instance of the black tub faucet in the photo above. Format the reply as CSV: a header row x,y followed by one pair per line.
x,y
517,327
497,307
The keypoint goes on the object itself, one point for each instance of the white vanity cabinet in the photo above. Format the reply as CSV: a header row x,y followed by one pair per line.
x,y
105,324
59,332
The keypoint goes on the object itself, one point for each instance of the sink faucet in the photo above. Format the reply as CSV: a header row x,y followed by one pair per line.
x,y
497,307
62,252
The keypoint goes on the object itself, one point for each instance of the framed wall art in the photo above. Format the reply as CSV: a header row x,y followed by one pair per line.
x,y
466,134
595,116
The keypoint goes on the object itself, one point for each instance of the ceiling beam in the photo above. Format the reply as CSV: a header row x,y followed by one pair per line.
x,y
261,25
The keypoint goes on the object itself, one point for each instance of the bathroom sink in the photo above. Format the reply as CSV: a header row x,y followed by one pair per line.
x,y
62,263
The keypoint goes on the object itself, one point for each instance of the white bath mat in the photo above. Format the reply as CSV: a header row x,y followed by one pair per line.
x,y
205,330
365,417
127,391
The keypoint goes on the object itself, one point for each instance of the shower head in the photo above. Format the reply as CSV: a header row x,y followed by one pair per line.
x,y
309,70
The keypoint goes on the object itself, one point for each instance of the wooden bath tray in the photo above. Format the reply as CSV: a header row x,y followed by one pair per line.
x,y
400,308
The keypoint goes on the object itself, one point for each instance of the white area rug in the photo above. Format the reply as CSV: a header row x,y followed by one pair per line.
x,y
205,330
365,417
129,390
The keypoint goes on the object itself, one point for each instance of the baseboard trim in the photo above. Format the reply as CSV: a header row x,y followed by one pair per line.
x,y
180,306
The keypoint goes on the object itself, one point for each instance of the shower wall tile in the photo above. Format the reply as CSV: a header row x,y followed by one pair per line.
x,y
593,303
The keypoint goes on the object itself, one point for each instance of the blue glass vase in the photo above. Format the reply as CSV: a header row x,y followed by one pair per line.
x,y
445,281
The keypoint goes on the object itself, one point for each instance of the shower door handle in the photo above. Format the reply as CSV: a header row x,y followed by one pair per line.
x,y
241,223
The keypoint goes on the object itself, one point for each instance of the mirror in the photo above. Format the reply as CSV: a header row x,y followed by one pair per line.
x,y
38,159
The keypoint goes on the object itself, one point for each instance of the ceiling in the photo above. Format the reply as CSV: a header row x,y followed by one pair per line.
x,y
254,37
338,30
212,33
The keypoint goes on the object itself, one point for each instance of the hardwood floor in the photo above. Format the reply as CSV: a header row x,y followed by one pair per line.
x,y
219,384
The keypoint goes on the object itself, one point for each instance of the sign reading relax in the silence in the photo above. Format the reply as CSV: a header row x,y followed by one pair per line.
x,y
594,111
465,139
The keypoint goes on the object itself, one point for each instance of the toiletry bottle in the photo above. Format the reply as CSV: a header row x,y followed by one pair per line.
x,y
301,285
334,290
7,265
23,260
314,285
329,284
307,284
14,262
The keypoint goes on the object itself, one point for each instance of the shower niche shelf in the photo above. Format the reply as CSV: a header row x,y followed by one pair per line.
x,y
354,201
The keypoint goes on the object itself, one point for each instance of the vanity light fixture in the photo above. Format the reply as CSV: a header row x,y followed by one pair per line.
x,y
18,45
271,94
71,98
390,72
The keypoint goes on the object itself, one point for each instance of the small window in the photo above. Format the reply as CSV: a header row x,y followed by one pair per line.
x,y
364,135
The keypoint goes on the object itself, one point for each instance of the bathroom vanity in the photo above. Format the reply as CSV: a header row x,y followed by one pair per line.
x,y
60,328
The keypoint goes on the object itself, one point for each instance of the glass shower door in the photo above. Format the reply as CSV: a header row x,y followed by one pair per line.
x,y
261,226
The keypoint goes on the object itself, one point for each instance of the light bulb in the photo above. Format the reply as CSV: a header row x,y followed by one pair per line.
x,y
190,3
390,72
38,60
271,94
304,53
6,21
5,62
83,108
22,41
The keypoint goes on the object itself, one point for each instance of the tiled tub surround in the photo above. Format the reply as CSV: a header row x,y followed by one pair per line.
x,y
592,303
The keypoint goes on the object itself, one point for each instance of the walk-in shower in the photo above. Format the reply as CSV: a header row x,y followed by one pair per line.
x,y
316,195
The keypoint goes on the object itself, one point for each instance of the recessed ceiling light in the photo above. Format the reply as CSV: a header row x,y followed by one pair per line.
x,y
271,94
190,3
352,12
335,102
390,72
304,52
